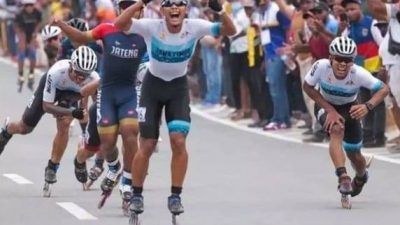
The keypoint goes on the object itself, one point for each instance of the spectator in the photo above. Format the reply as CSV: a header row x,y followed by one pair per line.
x,y
323,27
362,29
388,51
256,77
300,33
238,62
273,24
27,25
10,9
212,65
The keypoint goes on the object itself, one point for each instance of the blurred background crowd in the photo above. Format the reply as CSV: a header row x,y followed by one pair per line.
x,y
256,74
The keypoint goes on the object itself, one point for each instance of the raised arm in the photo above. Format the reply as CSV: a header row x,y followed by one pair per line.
x,y
378,9
227,27
128,14
285,8
72,33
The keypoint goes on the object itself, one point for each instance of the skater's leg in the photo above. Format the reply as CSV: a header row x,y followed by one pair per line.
x,y
335,146
83,154
140,163
61,139
359,162
338,158
179,161
11,128
18,128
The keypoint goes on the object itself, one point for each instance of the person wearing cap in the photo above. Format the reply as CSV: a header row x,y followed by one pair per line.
x,y
27,25
390,12
170,42
326,22
117,114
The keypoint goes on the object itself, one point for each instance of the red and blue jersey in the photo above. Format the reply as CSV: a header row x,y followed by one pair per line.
x,y
122,54
367,48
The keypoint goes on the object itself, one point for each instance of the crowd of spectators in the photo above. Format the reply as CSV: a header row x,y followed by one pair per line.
x,y
259,71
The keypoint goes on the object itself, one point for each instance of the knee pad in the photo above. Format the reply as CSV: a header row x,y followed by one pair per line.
x,y
352,147
179,126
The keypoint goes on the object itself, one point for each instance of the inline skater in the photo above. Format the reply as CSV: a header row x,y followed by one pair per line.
x,y
51,38
117,95
170,45
58,92
338,111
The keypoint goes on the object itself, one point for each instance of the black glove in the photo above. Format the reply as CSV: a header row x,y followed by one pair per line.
x,y
78,114
214,5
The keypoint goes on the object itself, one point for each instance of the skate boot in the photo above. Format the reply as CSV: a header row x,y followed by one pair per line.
x,y
136,207
4,136
50,178
81,173
175,205
110,181
345,185
358,183
345,189
94,173
20,83
107,185
137,204
125,189
31,82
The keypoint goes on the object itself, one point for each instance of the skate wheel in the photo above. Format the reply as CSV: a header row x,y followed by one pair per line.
x,y
47,190
174,220
134,219
125,208
89,184
346,202
103,199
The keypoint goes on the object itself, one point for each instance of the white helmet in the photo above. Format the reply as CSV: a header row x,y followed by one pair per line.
x,y
84,60
344,47
50,32
25,2
79,24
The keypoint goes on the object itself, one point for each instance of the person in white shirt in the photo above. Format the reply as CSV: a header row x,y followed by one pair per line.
x,y
58,93
170,45
336,108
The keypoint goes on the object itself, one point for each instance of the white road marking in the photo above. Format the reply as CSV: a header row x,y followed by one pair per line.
x,y
76,211
381,156
17,178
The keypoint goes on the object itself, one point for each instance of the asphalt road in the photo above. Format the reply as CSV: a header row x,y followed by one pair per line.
x,y
234,178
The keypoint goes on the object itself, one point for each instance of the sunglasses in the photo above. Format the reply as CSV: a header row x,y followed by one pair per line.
x,y
170,3
80,75
343,59
53,39
124,5
28,5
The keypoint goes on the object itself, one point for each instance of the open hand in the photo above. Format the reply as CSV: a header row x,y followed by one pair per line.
x,y
331,119
358,111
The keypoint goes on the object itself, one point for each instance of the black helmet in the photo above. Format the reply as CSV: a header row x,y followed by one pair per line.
x,y
79,24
